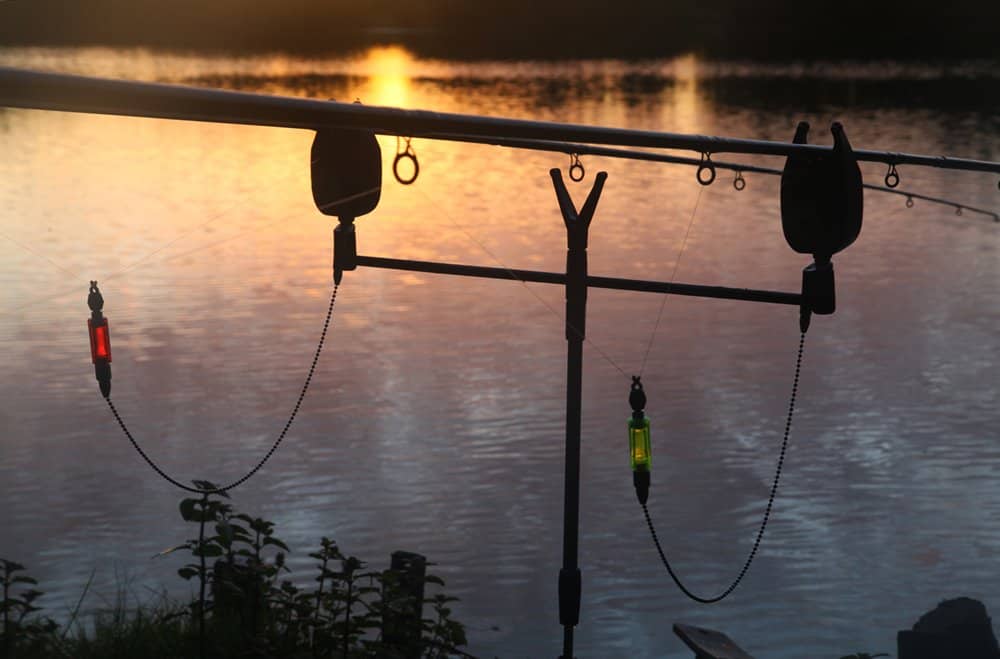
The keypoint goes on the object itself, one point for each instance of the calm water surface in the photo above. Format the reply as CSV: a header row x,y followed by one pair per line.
x,y
435,421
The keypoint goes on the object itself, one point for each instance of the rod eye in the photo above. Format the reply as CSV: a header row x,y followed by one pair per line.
x,y
739,182
892,177
404,151
706,170
576,171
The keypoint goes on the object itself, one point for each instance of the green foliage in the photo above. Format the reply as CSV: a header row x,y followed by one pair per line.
x,y
243,607
243,611
19,632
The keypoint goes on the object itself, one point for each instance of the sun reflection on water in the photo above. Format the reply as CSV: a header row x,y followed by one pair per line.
x,y
389,69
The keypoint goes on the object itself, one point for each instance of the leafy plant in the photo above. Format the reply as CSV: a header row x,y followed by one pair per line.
x,y
15,608
242,607
442,634
202,511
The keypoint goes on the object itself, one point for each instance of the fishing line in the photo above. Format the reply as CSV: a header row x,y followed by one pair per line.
x,y
165,259
673,274
217,243
181,236
639,424
143,259
62,269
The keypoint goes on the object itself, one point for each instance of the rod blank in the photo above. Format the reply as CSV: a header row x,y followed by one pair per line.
x,y
71,93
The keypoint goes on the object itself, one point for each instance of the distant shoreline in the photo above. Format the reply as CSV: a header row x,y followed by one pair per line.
x,y
515,29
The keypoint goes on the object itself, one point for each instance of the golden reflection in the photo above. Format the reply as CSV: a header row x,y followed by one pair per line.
x,y
685,113
389,68
686,69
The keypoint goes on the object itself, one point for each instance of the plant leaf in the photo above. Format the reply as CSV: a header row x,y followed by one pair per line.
x,y
188,511
225,531
187,572
207,550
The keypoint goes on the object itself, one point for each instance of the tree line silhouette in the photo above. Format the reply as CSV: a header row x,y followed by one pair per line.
x,y
774,29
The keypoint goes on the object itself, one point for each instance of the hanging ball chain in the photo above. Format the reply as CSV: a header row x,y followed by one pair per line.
x,y
767,511
202,487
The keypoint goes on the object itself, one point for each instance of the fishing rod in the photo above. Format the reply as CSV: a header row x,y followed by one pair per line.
x,y
74,93
576,170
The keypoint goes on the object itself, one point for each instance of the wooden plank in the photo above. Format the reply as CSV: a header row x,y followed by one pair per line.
x,y
708,643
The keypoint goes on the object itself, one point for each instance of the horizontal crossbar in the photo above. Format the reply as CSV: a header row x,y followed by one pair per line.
x,y
613,283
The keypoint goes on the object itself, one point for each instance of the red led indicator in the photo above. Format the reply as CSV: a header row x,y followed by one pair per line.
x,y
100,341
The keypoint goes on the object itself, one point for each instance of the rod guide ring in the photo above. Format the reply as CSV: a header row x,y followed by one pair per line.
x,y
739,182
406,153
892,176
706,170
576,171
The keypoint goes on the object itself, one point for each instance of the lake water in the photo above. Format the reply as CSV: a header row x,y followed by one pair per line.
x,y
435,420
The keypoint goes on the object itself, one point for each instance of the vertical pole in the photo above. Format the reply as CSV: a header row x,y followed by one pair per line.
x,y
577,225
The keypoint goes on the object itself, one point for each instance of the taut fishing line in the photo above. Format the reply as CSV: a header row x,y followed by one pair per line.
x,y
143,260
673,275
639,436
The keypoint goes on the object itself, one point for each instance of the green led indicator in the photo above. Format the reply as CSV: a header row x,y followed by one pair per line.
x,y
638,443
